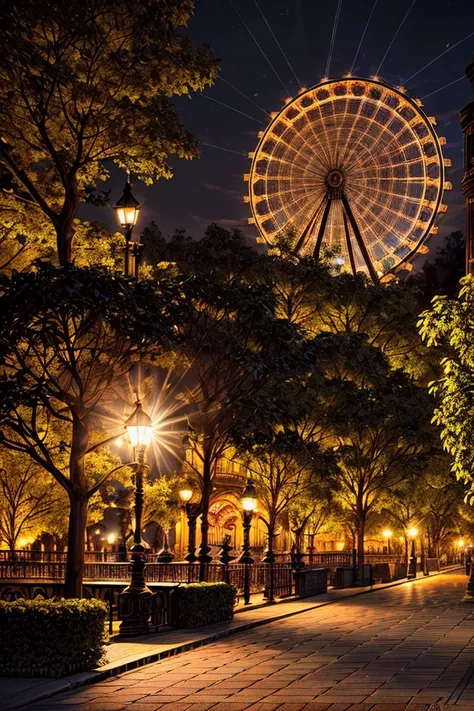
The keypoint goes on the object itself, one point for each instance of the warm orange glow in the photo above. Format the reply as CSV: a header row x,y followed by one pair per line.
x,y
186,495
390,159
127,216
413,532
461,543
387,533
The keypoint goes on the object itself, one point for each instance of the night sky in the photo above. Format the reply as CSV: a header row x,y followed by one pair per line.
x,y
212,188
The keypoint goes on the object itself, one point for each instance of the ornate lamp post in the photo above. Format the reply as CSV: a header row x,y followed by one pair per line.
x,y
249,504
127,209
387,534
411,572
136,600
192,512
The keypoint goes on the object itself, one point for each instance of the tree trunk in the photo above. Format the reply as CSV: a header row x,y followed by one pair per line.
x,y
64,223
75,546
78,499
64,235
360,540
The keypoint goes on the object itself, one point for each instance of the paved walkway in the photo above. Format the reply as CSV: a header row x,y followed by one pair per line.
x,y
410,644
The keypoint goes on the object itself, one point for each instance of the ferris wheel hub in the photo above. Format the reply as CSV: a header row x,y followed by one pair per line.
x,y
335,178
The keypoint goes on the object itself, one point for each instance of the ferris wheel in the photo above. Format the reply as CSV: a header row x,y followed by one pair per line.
x,y
354,165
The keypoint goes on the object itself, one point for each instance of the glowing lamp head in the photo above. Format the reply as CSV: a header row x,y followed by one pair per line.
x,y
461,543
111,538
249,497
185,495
387,533
127,208
139,427
413,532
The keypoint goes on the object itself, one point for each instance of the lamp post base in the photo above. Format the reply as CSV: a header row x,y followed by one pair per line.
x,y
136,601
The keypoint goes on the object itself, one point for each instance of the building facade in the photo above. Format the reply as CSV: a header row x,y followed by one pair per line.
x,y
467,125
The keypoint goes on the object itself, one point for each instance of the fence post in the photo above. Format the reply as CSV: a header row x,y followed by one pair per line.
x,y
354,566
224,557
269,559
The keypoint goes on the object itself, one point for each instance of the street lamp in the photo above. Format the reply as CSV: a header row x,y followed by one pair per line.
x,y
135,600
192,512
461,545
411,572
127,209
387,534
249,504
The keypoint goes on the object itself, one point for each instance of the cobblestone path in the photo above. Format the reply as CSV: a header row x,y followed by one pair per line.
x,y
407,647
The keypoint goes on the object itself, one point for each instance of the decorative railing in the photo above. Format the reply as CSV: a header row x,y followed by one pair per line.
x,y
61,556
175,572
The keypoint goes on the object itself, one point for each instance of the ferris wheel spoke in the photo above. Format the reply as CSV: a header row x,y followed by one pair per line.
x,y
392,152
287,210
379,218
328,141
359,240
291,163
283,139
317,138
357,144
382,193
353,128
293,193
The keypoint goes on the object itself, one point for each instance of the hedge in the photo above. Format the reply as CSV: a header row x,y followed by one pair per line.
x,y
51,637
201,604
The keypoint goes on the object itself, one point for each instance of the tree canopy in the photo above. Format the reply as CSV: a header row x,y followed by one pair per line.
x,y
84,82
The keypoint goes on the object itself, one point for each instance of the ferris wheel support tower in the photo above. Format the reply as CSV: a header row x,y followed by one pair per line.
x,y
467,125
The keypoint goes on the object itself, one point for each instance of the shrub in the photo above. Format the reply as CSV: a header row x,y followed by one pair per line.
x,y
51,637
201,604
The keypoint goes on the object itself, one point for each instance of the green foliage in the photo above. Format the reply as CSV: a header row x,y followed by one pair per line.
x,y
51,638
90,81
202,604
448,327
69,334
28,498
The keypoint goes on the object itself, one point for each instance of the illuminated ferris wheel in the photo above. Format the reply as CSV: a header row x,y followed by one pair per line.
x,y
351,164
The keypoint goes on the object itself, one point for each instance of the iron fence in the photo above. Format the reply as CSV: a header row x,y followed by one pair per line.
x,y
175,572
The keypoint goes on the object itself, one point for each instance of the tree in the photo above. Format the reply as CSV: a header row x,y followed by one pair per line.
x,y
27,497
84,82
284,473
160,505
449,329
310,296
380,423
234,349
67,337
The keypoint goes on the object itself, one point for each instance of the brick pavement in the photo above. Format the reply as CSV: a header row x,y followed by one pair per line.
x,y
408,647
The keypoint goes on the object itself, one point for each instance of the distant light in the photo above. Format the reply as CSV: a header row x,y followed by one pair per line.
x,y
413,532
340,261
119,441
387,533
461,543
111,538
